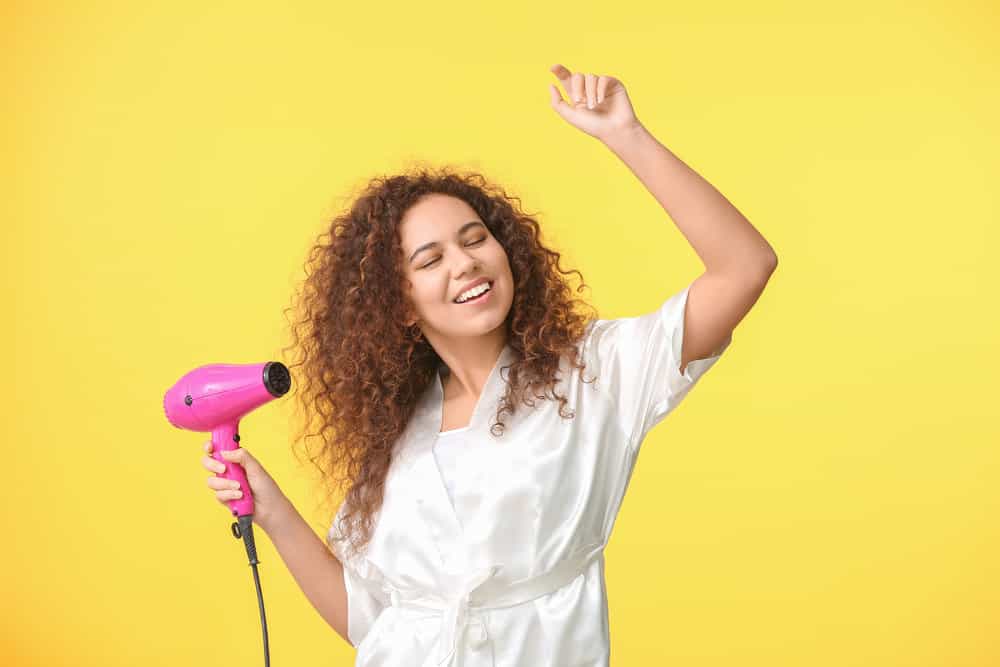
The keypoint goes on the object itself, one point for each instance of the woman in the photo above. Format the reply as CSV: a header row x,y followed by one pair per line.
x,y
444,367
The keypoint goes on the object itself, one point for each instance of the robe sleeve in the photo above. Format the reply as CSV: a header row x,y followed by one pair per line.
x,y
363,605
637,360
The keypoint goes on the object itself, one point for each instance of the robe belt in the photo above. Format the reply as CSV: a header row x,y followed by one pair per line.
x,y
456,605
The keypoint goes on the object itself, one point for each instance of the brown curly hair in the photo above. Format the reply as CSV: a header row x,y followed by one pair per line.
x,y
363,370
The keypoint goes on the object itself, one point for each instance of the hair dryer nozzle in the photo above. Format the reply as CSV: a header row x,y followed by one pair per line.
x,y
277,378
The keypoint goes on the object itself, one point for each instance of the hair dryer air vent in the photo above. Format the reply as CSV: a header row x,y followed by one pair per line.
x,y
276,378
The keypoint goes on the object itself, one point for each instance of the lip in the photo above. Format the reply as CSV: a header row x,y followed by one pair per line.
x,y
469,286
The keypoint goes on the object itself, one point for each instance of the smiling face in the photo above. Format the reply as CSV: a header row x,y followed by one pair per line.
x,y
442,253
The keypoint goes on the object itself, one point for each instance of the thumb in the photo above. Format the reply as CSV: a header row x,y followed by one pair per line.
x,y
239,455
557,102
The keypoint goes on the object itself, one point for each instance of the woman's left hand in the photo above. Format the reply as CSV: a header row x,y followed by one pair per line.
x,y
600,106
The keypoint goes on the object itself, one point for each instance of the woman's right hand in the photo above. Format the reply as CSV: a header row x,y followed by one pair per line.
x,y
268,500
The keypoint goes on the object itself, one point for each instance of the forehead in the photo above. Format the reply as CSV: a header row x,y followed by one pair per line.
x,y
434,218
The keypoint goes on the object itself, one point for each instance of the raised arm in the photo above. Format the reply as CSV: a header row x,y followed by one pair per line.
x,y
738,260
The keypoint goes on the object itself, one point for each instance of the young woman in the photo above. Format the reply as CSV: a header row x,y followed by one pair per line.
x,y
485,430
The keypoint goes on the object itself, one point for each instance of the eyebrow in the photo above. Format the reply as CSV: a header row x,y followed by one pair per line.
x,y
461,230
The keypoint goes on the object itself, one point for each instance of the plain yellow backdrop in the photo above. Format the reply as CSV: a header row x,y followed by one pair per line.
x,y
827,495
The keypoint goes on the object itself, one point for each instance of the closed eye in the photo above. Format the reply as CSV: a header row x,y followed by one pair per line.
x,y
435,260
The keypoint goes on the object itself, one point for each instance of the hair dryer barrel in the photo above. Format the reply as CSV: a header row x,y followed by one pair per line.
x,y
223,393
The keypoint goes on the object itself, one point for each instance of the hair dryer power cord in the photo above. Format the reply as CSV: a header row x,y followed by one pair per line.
x,y
243,527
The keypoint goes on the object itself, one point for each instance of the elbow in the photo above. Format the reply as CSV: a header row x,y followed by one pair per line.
x,y
760,269
767,264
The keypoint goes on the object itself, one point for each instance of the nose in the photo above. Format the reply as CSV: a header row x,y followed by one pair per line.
x,y
466,264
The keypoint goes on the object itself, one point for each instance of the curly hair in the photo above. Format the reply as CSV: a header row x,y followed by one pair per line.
x,y
363,370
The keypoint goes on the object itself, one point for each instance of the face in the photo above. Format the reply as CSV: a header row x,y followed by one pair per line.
x,y
442,254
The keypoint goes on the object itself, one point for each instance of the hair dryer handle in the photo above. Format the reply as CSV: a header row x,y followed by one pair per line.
x,y
225,437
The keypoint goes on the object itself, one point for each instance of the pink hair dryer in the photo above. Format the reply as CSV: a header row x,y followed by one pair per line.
x,y
214,398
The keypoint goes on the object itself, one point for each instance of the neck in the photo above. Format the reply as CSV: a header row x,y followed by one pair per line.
x,y
469,368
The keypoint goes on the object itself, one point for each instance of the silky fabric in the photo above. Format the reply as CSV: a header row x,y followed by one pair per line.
x,y
449,447
511,572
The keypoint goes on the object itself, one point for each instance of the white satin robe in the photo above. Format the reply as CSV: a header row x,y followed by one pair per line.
x,y
512,574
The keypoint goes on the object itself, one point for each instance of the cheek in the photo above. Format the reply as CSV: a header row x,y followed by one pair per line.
x,y
504,264
428,289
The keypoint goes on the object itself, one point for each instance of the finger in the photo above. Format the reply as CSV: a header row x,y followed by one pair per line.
x,y
564,76
559,104
227,495
238,455
213,465
555,97
235,454
590,86
221,483
602,88
576,83
208,446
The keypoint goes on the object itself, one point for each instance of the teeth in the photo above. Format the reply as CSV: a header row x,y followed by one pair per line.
x,y
472,293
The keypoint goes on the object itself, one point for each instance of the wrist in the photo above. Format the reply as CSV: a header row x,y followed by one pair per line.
x,y
624,135
278,518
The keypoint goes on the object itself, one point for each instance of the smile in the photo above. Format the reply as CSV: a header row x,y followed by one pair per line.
x,y
477,299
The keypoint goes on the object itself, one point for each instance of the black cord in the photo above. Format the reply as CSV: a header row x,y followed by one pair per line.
x,y
244,528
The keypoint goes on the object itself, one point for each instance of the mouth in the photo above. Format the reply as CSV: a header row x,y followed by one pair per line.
x,y
477,299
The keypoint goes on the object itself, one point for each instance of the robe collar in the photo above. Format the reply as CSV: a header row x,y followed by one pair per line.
x,y
417,455
489,400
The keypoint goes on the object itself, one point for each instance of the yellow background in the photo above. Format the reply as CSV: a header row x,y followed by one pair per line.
x,y
828,495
